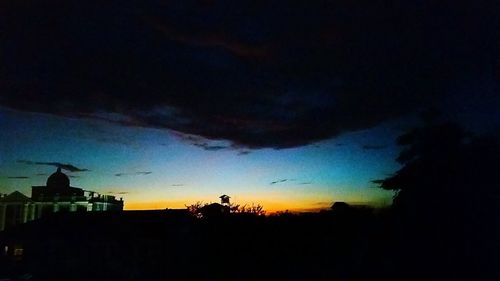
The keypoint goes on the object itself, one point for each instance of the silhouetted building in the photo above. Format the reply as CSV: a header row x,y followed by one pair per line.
x,y
224,200
341,208
56,196
214,210
15,208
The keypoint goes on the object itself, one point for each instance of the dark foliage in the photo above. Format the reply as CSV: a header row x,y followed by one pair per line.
x,y
447,202
158,245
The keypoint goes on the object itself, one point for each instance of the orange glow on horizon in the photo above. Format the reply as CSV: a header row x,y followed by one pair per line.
x,y
270,206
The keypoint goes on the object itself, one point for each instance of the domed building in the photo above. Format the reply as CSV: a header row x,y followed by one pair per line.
x,y
58,180
56,196
57,188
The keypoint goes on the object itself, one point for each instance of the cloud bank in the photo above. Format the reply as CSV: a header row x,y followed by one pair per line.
x,y
268,74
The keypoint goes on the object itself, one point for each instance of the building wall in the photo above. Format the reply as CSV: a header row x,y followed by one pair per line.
x,y
14,213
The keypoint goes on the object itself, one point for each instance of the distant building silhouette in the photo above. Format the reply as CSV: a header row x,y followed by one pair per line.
x,y
340,206
56,196
224,200
216,209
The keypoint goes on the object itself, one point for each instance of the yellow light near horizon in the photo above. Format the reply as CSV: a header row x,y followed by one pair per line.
x,y
271,201
269,206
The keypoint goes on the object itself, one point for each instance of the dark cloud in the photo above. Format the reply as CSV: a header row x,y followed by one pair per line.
x,y
244,152
268,74
306,183
376,183
373,147
41,174
18,177
67,167
133,174
207,40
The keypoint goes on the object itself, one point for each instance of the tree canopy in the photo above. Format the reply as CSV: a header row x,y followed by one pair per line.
x,y
445,166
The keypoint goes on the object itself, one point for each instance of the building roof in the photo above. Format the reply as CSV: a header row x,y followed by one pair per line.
x,y
15,196
58,180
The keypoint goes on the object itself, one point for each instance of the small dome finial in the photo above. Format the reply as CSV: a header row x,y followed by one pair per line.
x,y
59,169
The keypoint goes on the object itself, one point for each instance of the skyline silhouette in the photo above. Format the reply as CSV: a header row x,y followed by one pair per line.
x,y
249,140
143,98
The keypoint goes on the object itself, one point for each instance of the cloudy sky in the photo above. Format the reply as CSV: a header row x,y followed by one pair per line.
x,y
294,104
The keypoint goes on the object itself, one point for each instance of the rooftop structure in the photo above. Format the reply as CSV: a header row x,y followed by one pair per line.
x,y
56,196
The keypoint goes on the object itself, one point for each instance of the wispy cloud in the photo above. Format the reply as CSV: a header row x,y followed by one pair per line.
x,y
326,204
133,174
210,147
118,192
177,184
289,180
64,166
201,142
278,181
18,177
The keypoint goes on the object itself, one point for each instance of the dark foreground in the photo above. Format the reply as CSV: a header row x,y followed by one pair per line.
x,y
161,245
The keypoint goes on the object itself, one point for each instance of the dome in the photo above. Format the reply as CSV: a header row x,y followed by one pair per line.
x,y
58,180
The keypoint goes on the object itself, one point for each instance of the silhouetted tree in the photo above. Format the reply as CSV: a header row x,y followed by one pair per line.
x,y
196,208
447,197
234,208
443,165
255,209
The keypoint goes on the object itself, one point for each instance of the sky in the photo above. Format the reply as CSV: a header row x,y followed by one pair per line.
x,y
155,168
290,104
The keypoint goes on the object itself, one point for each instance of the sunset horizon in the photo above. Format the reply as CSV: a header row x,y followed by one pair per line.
x,y
249,140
